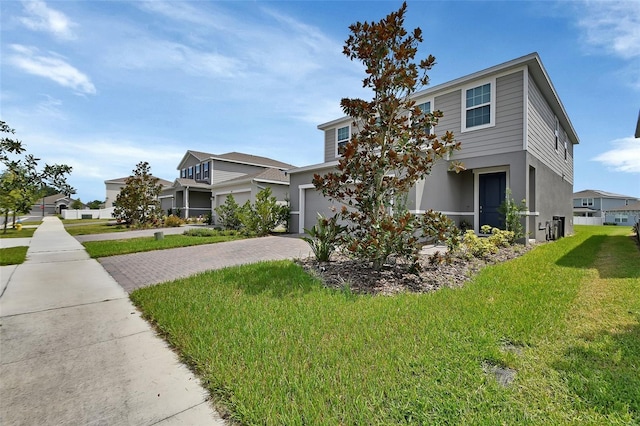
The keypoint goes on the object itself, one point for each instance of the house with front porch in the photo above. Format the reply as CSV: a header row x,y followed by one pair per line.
x,y
515,134
206,180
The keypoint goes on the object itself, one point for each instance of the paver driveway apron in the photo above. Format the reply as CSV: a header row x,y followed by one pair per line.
x,y
136,270
74,350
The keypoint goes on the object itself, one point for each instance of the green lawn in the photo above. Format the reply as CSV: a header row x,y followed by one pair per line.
x,y
13,233
275,347
13,255
134,245
92,226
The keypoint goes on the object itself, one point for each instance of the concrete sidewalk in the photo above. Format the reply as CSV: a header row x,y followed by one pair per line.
x,y
74,350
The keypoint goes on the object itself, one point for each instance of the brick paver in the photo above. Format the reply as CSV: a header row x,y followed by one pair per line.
x,y
137,270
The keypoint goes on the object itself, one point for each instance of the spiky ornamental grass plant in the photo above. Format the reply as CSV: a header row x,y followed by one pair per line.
x,y
394,145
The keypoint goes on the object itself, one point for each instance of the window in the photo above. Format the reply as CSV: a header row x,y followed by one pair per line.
x,y
621,218
183,173
342,138
566,150
190,171
198,175
587,202
478,110
205,170
426,108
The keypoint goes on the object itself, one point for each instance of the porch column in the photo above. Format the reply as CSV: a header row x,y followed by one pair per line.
x,y
186,202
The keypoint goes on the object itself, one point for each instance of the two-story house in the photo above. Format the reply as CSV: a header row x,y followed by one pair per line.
x,y
206,180
607,206
114,186
514,133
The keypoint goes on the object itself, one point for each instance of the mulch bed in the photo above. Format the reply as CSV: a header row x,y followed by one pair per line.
x,y
396,278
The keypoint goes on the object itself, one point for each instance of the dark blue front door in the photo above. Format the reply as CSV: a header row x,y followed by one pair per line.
x,y
492,193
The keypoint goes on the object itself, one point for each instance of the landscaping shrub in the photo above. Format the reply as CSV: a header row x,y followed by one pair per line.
x,y
324,237
208,232
264,215
172,221
229,214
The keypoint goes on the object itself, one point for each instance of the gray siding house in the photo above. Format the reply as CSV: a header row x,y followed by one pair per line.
x,y
607,205
206,180
514,133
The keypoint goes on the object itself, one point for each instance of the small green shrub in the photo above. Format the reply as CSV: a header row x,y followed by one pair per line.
x,y
208,232
324,237
229,214
474,246
172,221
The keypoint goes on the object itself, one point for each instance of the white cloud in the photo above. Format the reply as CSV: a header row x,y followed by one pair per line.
x,y
613,26
42,18
144,53
52,67
624,157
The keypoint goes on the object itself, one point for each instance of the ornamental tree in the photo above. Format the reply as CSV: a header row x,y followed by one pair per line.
x,y
22,181
394,144
137,203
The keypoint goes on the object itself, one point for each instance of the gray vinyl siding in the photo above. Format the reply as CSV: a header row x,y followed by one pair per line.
x,y
541,135
329,145
507,133
221,176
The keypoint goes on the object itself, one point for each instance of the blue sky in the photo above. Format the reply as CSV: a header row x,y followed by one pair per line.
x,y
102,85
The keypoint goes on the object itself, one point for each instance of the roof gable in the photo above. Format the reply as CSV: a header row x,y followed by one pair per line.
x,y
596,193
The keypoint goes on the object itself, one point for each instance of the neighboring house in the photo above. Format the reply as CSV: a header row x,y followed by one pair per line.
x,y
608,206
206,180
114,186
52,204
627,215
514,133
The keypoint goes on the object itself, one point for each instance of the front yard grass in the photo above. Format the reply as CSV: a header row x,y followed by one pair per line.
x,y
92,226
13,255
273,346
134,245
14,233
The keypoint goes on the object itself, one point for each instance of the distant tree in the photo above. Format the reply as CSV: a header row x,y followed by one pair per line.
x,y
137,203
22,182
394,144
229,214
95,204
77,204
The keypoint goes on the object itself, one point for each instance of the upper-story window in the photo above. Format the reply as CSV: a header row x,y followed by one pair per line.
x,y
478,111
205,170
183,173
587,202
566,151
190,172
198,174
342,137
425,107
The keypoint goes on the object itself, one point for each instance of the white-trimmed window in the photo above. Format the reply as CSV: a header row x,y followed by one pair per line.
x,y
425,107
566,151
621,218
478,106
198,174
587,202
190,172
342,137
183,173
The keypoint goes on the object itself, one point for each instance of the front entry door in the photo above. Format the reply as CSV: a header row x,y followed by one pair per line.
x,y
492,192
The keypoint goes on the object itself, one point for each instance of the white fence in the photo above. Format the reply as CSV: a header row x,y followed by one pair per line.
x,y
579,220
86,213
